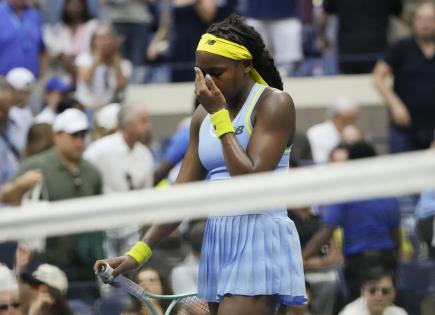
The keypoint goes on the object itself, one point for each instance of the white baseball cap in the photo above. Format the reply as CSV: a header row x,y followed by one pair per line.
x,y
8,282
71,121
107,117
20,78
51,276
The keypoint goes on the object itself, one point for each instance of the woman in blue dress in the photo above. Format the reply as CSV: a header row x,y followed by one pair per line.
x,y
245,124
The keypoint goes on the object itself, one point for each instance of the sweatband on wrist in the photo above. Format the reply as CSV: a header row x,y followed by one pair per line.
x,y
222,122
140,252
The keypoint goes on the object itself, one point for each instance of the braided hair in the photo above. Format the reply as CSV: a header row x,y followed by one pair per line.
x,y
235,29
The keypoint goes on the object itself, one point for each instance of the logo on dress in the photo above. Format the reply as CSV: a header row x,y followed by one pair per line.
x,y
238,130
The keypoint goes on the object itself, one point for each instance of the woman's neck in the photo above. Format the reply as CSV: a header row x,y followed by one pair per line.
x,y
236,103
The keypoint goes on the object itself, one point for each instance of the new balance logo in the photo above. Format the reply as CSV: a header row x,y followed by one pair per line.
x,y
239,130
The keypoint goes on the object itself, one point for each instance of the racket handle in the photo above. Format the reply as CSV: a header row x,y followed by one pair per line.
x,y
105,272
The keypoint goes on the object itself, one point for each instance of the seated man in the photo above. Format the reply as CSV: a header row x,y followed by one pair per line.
x,y
377,296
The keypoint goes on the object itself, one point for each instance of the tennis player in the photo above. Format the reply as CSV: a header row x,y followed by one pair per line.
x,y
245,124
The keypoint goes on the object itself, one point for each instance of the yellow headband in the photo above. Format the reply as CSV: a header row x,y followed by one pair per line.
x,y
229,49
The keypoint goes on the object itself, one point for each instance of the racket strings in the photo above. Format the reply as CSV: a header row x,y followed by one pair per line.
x,y
191,305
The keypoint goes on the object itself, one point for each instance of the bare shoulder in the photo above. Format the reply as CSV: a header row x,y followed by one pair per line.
x,y
276,103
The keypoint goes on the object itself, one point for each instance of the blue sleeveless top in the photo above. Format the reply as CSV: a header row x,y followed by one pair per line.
x,y
210,148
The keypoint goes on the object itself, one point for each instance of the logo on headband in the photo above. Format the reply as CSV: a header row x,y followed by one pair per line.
x,y
211,42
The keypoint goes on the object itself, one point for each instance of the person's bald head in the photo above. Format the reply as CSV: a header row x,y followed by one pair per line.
x,y
424,21
134,120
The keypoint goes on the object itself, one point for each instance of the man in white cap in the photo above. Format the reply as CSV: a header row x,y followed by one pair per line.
x,y
67,175
9,297
325,136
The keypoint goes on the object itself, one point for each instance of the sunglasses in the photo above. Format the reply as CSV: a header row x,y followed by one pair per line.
x,y
384,291
5,307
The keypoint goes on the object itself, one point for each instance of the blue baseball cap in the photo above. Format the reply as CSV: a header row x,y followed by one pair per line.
x,y
56,83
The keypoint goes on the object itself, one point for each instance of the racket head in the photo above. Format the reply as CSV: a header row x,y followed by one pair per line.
x,y
188,305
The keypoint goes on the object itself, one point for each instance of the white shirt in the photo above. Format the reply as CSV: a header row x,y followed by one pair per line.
x,y
184,277
47,116
323,138
102,88
59,38
359,307
122,169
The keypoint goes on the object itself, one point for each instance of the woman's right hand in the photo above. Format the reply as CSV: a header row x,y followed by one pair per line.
x,y
120,264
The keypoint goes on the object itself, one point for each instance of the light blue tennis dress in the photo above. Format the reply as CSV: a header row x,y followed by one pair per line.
x,y
249,254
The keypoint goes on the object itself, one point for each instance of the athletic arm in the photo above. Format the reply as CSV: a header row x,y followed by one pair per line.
x,y
323,236
398,109
272,133
191,170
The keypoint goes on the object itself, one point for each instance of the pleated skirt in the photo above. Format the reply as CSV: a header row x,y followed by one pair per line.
x,y
249,255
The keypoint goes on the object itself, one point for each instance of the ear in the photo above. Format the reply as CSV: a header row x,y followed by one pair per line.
x,y
247,65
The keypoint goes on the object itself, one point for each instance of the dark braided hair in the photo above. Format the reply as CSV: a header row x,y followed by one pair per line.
x,y
234,29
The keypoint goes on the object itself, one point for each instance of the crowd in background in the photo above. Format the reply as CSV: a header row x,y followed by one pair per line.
x,y
66,132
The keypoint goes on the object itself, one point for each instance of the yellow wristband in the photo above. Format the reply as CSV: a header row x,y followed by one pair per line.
x,y
222,122
140,252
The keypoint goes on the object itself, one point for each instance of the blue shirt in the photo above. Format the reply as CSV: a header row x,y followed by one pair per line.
x,y
426,205
16,135
177,146
21,40
268,10
367,224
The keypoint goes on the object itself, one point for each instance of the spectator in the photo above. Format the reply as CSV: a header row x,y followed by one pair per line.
x,y
13,131
278,25
22,81
71,36
370,228
125,164
184,277
185,22
102,73
411,61
151,280
362,31
325,136
130,162
9,297
132,20
320,270
21,43
67,175
43,292
56,90
376,298
426,220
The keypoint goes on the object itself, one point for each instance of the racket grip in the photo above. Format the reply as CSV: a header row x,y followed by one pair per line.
x,y
105,272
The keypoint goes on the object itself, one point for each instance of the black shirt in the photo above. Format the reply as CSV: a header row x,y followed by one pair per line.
x,y
414,81
362,23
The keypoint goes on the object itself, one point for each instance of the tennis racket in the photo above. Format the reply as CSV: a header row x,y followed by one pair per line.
x,y
182,304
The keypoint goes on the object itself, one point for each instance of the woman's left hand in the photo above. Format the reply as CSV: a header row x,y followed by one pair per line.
x,y
207,93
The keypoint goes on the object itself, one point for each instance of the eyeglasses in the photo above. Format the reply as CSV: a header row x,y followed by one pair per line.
x,y
5,307
384,291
